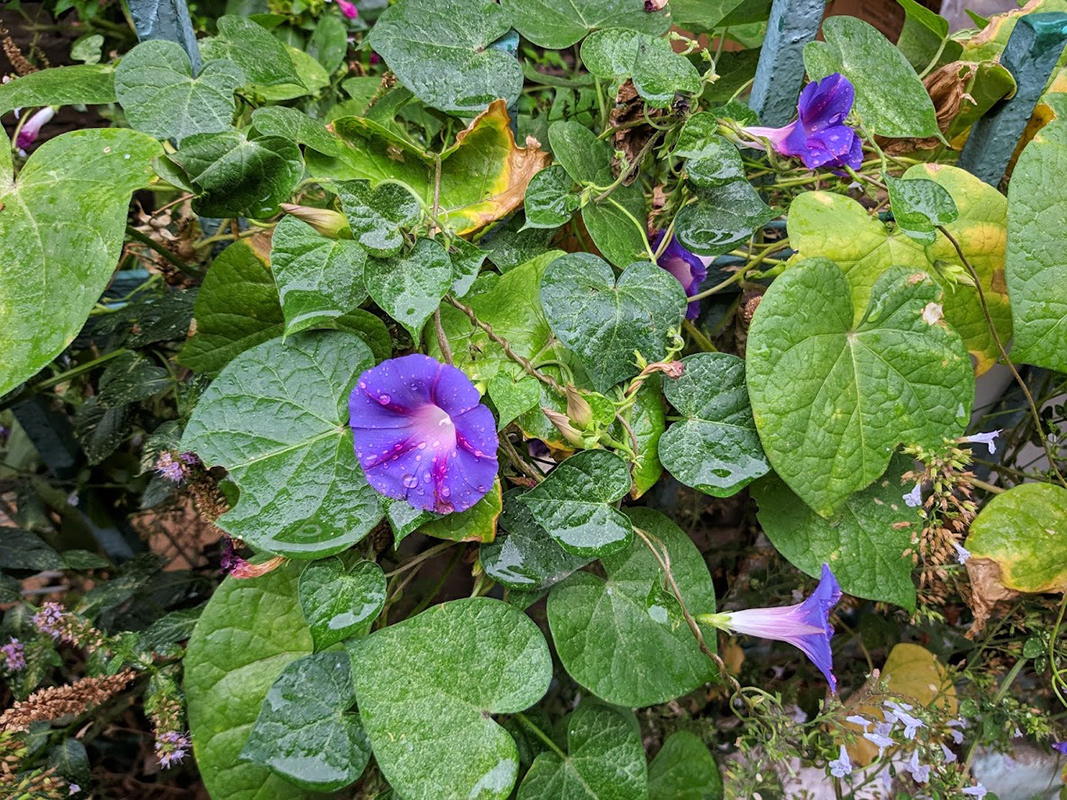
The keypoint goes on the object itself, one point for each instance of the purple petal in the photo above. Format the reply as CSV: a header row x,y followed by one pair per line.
x,y
684,265
1060,747
832,147
422,435
826,103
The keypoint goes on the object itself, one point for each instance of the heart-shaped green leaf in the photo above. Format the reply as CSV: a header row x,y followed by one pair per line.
x,y
606,323
305,732
253,48
277,419
624,638
525,556
154,84
549,201
822,386
658,72
866,542
605,760
339,602
1022,532
295,125
431,682
721,218
890,98
712,160
683,769
439,49
88,84
1036,272
235,176
248,632
575,503
318,278
919,206
557,24
377,215
409,287
715,448
62,224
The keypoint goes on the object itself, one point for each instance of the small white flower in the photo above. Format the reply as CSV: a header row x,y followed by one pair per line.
x,y
988,439
879,741
962,553
914,498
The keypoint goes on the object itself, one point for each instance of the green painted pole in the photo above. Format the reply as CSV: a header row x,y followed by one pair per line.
x,y
780,71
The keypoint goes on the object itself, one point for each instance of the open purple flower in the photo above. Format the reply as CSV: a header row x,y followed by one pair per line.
x,y
689,268
422,434
806,625
818,136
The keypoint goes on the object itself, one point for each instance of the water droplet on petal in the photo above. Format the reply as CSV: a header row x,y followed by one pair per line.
x,y
422,445
410,481
384,399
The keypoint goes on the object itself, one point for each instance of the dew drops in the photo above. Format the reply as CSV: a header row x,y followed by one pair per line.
x,y
384,399
422,445
445,491
410,481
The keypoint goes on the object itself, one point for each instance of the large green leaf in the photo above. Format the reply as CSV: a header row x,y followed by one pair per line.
x,y
683,769
575,503
833,397
525,556
890,98
624,638
263,58
605,322
839,228
721,218
658,73
557,24
410,287
866,543
715,448
154,83
277,419
1022,532
234,176
426,687
88,84
304,732
318,278
605,760
1036,271
338,601
439,49
61,232
377,215
249,631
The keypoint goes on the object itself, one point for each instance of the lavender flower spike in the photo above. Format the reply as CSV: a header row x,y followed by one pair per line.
x,y
805,625
819,137
14,655
689,268
422,434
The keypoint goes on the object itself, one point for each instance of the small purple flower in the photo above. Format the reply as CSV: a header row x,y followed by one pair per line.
x,y
899,713
74,789
819,137
348,9
1060,747
950,757
880,741
988,439
689,268
171,748
171,468
14,655
920,773
841,766
48,619
806,626
856,719
230,561
976,791
914,498
423,435
962,553
31,129
957,736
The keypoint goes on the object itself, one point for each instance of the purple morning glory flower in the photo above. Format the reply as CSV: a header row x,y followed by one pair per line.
x,y
1060,747
422,434
805,625
31,129
689,268
819,137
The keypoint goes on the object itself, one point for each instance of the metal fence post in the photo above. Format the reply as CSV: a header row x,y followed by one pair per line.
x,y
166,19
780,72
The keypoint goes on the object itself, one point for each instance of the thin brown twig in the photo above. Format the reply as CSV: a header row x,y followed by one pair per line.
x,y
442,339
517,462
523,362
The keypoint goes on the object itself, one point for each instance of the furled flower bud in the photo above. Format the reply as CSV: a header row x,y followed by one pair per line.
x,y
564,426
324,220
578,409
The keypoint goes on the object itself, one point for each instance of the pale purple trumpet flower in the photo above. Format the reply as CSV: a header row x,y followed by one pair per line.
x,y
879,740
978,790
31,129
689,268
841,766
962,553
914,498
422,434
805,625
818,137
920,773
989,439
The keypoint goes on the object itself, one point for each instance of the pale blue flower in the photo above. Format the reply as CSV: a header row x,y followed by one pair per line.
x,y
988,439
841,766
976,791
879,741
914,498
920,773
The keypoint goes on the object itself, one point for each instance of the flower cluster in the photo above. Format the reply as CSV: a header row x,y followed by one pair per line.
x,y
176,468
53,620
14,655
172,747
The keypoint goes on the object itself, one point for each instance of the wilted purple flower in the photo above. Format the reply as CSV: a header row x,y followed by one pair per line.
x,y
950,757
988,439
14,655
962,553
914,498
819,137
976,791
880,741
48,619
422,434
806,625
230,561
689,268
348,9
841,766
31,129
920,773
171,748
1060,747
